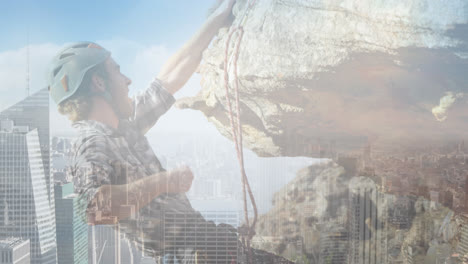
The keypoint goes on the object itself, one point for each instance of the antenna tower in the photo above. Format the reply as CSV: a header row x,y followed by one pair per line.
x,y
27,65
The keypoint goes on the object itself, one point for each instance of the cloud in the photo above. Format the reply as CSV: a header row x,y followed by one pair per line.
x,y
440,111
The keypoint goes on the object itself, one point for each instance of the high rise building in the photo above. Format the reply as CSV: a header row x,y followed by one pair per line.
x,y
463,244
33,111
368,232
14,251
25,210
188,230
105,244
334,247
72,227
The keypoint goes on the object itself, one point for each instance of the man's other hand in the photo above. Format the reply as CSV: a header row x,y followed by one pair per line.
x,y
179,180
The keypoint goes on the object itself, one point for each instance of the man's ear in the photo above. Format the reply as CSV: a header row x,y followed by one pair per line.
x,y
98,84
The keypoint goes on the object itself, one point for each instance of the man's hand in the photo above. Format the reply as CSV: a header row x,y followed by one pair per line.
x,y
179,180
180,67
223,13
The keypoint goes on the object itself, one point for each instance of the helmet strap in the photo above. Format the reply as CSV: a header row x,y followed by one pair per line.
x,y
108,96
109,99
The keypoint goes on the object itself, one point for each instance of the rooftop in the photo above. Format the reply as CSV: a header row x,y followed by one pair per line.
x,y
7,125
11,242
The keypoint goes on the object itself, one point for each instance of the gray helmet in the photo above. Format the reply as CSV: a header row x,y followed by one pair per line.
x,y
70,66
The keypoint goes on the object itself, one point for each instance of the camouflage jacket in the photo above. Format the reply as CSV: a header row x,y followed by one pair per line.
x,y
104,155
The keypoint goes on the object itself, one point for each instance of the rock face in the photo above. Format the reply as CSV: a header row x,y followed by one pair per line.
x,y
328,216
319,77
322,78
311,205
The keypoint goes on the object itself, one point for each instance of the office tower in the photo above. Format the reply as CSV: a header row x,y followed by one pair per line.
x,y
104,243
401,211
127,251
188,230
368,230
33,111
463,244
72,228
25,210
108,245
14,251
334,246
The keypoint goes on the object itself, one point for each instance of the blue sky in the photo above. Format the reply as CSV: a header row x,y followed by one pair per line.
x,y
145,21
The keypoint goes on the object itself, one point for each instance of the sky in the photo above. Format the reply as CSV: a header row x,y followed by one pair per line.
x,y
144,21
141,35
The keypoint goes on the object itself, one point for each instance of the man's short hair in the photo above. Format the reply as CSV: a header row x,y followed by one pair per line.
x,y
77,107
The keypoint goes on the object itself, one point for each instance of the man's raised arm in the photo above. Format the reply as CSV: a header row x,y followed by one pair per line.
x,y
180,67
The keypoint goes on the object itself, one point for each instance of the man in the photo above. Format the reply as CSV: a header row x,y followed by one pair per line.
x,y
114,168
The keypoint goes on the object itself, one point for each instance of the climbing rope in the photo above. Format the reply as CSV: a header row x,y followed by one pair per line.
x,y
236,125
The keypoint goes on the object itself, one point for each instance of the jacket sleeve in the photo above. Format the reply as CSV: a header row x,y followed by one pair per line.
x,y
150,106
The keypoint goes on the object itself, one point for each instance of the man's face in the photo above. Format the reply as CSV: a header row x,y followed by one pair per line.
x,y
117,85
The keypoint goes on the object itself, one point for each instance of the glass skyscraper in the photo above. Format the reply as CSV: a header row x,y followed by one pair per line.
x,y
33,111
72,228
25,210
27,206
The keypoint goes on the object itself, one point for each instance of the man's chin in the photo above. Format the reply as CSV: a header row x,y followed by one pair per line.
x,y
126,113
126,116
